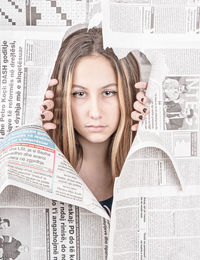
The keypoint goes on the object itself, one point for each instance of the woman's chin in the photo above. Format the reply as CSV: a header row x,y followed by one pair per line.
x,y
96,138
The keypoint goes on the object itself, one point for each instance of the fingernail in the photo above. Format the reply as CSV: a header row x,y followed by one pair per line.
x,y
145,110
42,116
142,99
133,128
140,117
45,107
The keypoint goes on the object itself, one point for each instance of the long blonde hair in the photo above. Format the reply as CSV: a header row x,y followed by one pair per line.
x,y
77,45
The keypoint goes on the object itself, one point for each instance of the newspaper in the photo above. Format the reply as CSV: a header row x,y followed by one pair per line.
x,y
152,217
26,63
156,201
51,229
155,213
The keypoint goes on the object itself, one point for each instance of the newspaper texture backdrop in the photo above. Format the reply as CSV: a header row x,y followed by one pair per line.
x,y
152,217
162,165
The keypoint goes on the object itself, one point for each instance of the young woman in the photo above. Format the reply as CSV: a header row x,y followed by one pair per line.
x,y
91,109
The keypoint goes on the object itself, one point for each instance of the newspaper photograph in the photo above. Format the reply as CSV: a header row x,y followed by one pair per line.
x,y
181,103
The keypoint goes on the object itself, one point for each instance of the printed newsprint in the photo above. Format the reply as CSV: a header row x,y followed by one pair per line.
x,y
52,212
155,23
156,209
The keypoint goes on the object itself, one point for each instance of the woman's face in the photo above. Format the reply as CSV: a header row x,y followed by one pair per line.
x,y
94,101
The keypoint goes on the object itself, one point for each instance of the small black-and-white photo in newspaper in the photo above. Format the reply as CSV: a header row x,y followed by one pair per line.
x,y
15,233
181,97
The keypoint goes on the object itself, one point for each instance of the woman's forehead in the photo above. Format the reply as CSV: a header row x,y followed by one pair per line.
x,y
93,70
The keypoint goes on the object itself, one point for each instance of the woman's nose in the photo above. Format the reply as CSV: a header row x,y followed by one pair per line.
x,y
95,108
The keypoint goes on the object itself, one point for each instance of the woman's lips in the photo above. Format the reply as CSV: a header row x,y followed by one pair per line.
x,y
96,128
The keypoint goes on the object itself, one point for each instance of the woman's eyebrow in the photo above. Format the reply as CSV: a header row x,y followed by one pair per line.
x,y
108,85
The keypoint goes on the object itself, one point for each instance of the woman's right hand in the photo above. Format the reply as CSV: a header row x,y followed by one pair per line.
x,y
48,104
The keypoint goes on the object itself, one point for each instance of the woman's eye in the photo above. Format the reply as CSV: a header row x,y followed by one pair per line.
x,y
109,93
78,94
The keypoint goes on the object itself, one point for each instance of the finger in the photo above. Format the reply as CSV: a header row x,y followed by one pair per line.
x,y
49,126
140,107
134,127
137,116
49,94
141,85
46,116
141,97
53,82
47,105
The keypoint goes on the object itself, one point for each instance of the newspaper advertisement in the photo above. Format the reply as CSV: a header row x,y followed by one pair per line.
x,y
50,230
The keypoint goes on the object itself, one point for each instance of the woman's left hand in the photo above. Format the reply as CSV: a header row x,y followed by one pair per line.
x,y
141,110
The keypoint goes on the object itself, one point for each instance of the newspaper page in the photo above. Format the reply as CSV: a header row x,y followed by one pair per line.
x,y
174,115
152,179
49,230
152,217
30,160
175,110
26,61
155,23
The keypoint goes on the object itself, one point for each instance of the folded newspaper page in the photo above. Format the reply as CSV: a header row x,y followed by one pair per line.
x,y
155,211
30,160
49,229
152,218
174,78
